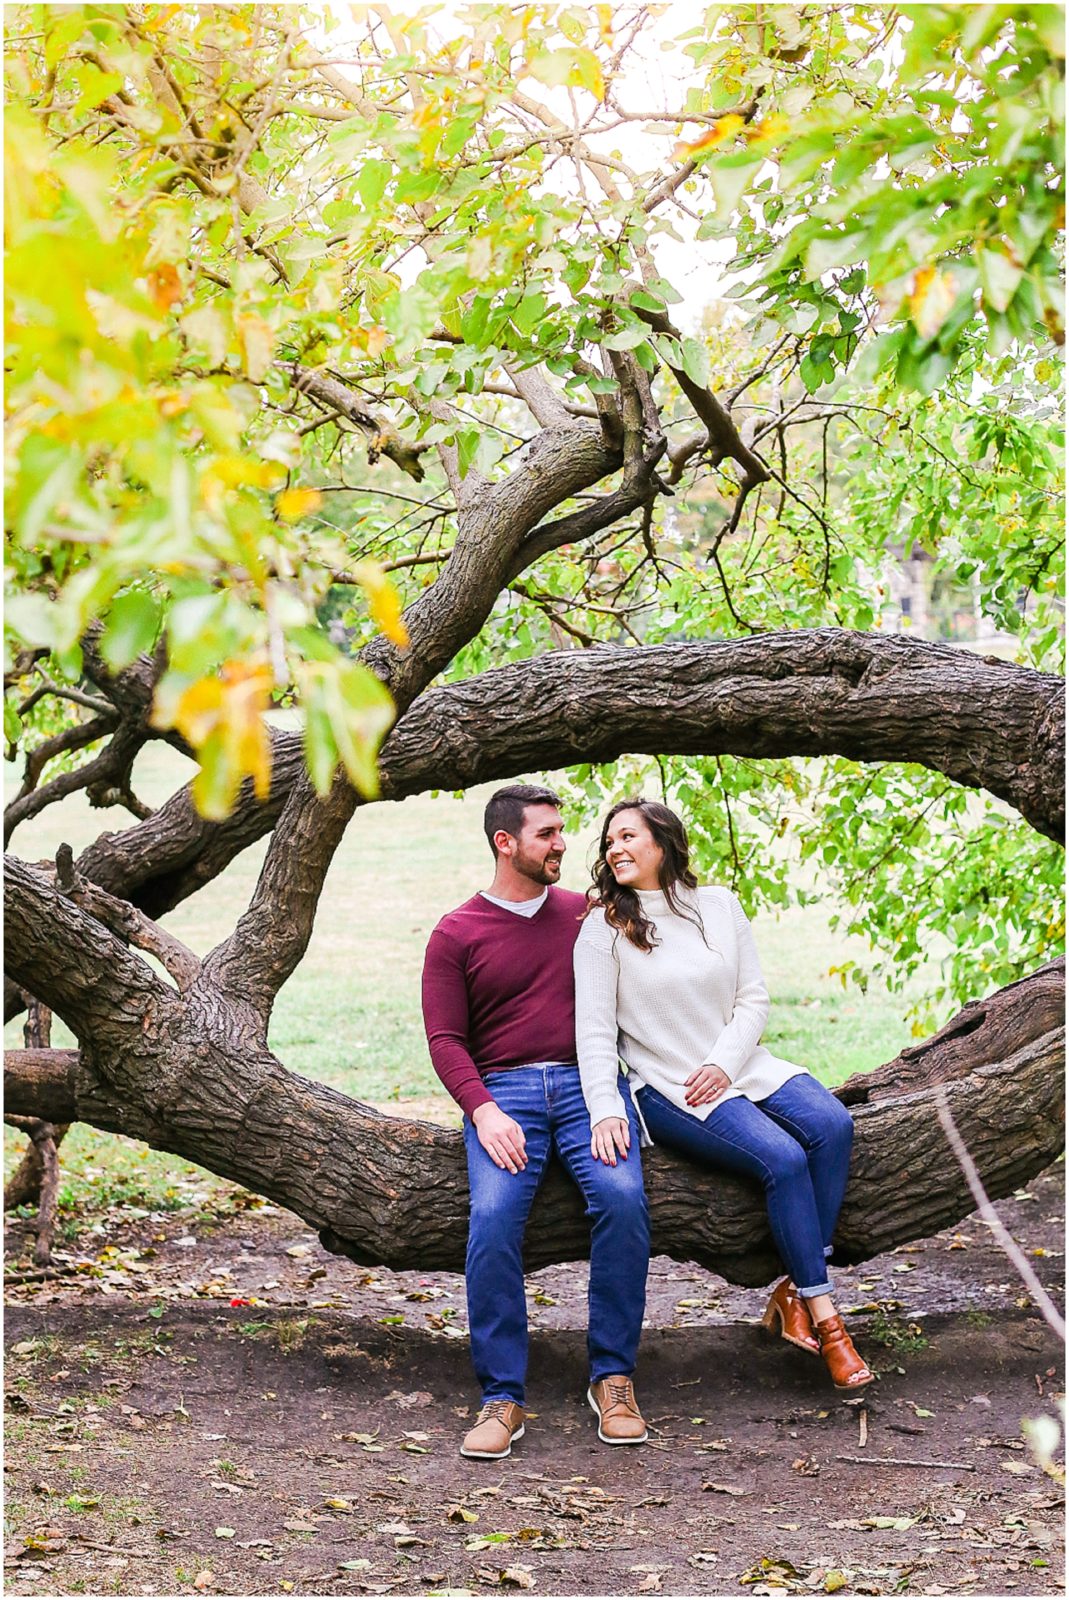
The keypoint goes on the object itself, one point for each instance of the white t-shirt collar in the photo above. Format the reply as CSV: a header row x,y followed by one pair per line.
x,y
522,908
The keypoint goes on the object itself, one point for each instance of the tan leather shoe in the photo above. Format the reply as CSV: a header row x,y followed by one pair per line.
x,y
499,1422
847,1369
788,1310
619,1419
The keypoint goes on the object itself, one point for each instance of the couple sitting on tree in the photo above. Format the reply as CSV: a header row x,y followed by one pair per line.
x,y
531,996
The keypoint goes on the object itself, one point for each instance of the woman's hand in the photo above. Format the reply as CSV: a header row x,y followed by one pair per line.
x,y
705,1085
608,1136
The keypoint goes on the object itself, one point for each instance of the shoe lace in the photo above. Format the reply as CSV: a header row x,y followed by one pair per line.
x,y
496,1409
620,1392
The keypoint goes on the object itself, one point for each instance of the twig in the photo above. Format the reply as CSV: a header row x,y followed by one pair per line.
x,y
908,1461
124,919
862,1428
1008,1245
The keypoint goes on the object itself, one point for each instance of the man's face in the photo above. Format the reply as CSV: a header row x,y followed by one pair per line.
x,y
537,853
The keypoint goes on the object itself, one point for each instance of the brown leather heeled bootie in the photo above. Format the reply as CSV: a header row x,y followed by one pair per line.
x,y
848,1371
787,1312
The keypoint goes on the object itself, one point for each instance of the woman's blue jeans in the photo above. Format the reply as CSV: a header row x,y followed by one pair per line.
x,y
547,1102
796,1143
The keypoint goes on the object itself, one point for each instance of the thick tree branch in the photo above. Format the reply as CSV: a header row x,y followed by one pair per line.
x,y
361,1178
77,967
986,723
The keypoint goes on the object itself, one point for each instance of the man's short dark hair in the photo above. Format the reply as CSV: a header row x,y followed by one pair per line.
x,y
505,809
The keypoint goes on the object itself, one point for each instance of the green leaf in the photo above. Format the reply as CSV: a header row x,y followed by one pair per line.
x,y
95,85
999,278
530,311
371,182
130,629
626,338
696,362
12,721
468,442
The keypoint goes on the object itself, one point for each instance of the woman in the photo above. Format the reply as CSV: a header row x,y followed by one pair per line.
x,y
667,977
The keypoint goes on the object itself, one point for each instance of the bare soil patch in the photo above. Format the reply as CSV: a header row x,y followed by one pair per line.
x,y
218,1403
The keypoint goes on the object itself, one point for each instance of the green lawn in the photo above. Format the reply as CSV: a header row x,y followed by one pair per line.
x,y
350,1014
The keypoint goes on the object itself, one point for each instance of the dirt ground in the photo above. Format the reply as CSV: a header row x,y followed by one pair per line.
x,y
206,1401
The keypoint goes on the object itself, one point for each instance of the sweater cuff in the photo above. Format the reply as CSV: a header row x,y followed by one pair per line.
x,y
610,1103
727,1057
471,1099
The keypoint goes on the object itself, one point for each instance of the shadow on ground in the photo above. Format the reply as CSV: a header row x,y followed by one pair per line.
x,y
226,1408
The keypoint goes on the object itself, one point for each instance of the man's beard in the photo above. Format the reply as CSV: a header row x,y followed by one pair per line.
x,y
544,871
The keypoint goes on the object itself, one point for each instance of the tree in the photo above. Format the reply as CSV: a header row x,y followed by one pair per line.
x,y
269,284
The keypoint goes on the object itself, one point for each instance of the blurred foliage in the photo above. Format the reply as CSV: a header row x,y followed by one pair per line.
x,y
199,198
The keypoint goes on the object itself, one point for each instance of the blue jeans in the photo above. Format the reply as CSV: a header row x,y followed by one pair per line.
x,y
547,1102
796,1143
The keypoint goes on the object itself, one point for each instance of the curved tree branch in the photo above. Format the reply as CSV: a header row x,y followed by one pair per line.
x,y
780,694
363,1179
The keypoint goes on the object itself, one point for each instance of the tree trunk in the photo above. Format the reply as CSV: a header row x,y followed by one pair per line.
x,y
392,1193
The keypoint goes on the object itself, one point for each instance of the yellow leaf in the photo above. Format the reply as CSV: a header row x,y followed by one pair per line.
x,y
222,717
377,340
383,601
197,711
723,128
257,341
604,16
165,285
770,127
931,299
292,504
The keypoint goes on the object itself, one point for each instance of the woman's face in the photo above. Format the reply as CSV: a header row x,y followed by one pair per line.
x,y
633,855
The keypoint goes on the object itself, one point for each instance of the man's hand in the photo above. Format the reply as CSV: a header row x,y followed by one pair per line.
x,y
500,1136
705,1085
608,1136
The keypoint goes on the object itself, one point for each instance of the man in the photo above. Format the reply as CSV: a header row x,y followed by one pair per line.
x,y
499,1008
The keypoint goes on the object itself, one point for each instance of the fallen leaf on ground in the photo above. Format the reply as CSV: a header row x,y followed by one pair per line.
x,y
461,1514
522,1577
725,1488
204,1580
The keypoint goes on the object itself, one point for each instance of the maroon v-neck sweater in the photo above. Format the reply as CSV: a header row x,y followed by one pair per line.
x,y
498,991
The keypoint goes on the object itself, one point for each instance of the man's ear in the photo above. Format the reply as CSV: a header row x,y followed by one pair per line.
x,y
503,842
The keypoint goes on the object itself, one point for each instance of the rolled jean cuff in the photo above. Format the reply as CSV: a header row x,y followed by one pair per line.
x,y
829,1251
811,1293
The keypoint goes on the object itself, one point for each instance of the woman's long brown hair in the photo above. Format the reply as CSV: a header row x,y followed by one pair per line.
x,y
622,906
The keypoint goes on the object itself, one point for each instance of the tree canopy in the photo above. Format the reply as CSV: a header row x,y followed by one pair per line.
x,y
519,388
291,291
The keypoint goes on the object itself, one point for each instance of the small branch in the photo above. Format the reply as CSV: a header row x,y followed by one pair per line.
x,y
383,437
1007,1244
131,925
908,1461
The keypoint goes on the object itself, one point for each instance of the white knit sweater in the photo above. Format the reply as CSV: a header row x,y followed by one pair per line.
x,y
688,1002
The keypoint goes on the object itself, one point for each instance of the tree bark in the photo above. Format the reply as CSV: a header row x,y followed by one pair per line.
x,y
810,692
392,1193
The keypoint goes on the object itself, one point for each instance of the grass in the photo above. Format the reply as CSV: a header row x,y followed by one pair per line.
x,y
350,1015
